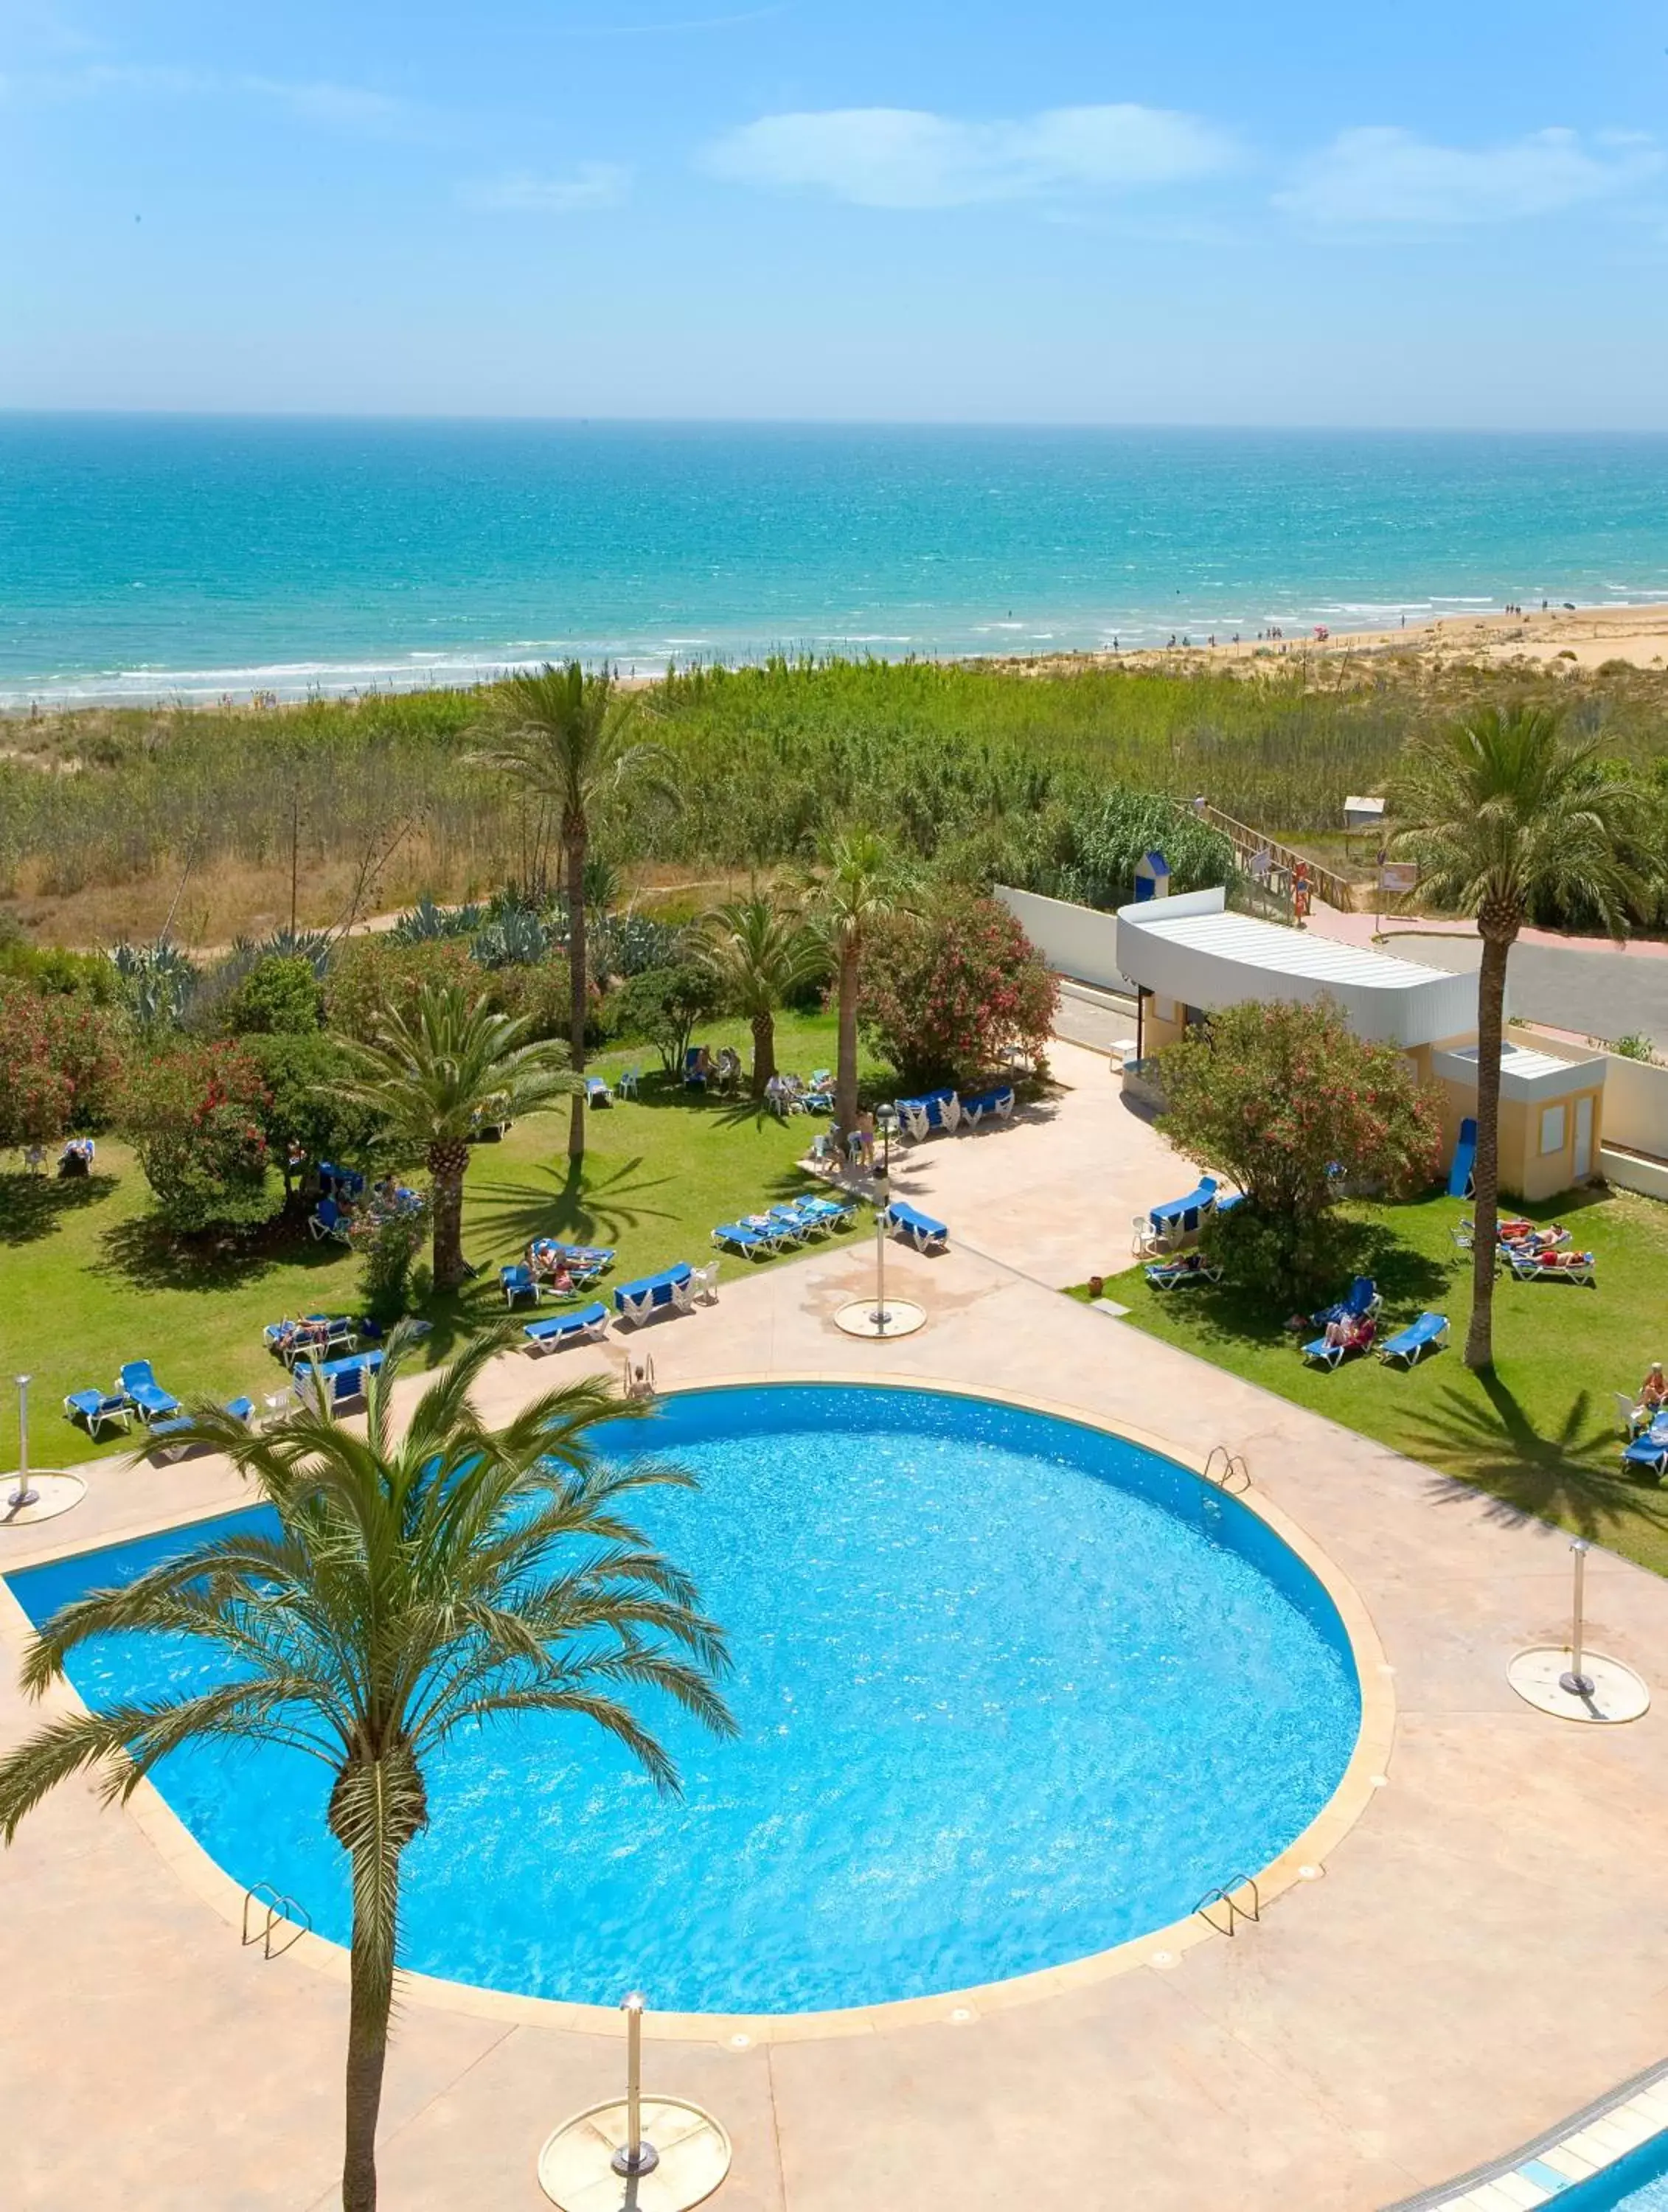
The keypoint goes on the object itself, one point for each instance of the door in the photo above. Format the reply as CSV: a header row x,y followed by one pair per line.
x,y
1584,1138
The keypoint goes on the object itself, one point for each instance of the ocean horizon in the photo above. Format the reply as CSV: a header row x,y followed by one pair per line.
x,y
152,559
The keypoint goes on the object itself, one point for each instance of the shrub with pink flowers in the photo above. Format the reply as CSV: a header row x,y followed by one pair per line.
x,y
947,992
60,1059
1297,1108
195,1119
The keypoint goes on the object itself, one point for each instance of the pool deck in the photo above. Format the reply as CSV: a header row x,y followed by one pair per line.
x,y
1485,1952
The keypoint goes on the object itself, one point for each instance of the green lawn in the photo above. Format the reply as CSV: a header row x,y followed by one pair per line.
x,y
1541,1435
88,1282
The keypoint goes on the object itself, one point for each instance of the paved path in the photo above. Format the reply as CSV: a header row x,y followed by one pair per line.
x,y
1487,1949
1583,985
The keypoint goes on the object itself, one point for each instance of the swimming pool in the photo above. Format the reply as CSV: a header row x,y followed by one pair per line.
x,y
1011,1691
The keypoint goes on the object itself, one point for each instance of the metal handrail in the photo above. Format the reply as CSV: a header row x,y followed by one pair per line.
x,y
1236,1912
1228,1469
280,1911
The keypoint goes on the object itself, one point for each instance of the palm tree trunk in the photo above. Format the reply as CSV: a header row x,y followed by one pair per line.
x,y
764,1050
845,1079
1490,1026
447,1167
370,2001
575,842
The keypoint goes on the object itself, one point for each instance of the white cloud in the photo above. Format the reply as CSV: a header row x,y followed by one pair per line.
x,y
900,157
1383,175
346,106
592,184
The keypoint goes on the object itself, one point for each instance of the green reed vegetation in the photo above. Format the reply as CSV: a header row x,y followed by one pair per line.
x,y
989,765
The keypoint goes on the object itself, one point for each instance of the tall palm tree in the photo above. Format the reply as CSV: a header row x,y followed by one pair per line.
x,y
414,1589
859,887
563,733
430,1073
1506,819
760,951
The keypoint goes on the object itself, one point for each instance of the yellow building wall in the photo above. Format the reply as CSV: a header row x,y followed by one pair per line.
x,y
1157,1030
1526,1171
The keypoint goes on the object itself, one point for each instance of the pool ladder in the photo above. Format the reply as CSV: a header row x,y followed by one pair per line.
x,y
1224,1901
1228,1470
280,1912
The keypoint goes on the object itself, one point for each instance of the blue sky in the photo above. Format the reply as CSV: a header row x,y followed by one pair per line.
x,y
1070,210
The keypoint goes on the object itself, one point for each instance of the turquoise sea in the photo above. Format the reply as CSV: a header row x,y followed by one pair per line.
x,y
148,557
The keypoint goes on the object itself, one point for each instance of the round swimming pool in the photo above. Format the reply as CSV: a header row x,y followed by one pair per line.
x,y
1011,1689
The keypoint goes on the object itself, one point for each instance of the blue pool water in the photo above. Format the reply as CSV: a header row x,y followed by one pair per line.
x,y
1010,1691
1637,2183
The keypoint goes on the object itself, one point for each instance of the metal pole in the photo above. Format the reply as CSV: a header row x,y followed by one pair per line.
x,y
23,1495
634,2155
1576,1684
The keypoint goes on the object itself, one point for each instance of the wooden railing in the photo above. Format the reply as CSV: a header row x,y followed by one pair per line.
x,y
1283,863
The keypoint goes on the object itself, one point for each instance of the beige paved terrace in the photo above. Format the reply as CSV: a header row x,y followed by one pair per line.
x,y
1486,1950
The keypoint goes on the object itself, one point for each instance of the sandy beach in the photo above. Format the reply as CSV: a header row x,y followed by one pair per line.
x,y
1572,637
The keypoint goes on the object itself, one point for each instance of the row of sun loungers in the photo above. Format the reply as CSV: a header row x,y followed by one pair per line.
x,y
947,1110
1352,1325
784,1228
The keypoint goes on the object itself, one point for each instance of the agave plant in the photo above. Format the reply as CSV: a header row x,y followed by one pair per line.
x,y
157,981
515,938
427,922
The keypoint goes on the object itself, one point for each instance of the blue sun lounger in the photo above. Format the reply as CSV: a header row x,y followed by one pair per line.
x,y
1648,1455
1411,1344
673,1287
96,1407
586,1324
988,1105
137,1383
597,1092
344,1378
1179,1217
1189,1267
754,1244
1362,1300
240,1409
917,1229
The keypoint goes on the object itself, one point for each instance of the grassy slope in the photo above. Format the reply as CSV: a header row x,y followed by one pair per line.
x,y
88,1285
1541,1435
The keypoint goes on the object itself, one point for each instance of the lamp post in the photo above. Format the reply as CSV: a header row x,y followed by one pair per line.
x,y
885,1120
1577,1683
634,2156
23,1495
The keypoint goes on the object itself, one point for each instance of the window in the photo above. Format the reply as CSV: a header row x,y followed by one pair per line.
x,y
1552,1129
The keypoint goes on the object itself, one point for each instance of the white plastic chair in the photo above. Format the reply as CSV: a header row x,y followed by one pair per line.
x,y
703,1283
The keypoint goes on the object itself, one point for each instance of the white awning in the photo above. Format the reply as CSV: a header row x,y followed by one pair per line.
x,y
1192,950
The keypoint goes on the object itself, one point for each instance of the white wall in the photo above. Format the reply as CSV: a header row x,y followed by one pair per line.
x,y
1075,940
1635,1095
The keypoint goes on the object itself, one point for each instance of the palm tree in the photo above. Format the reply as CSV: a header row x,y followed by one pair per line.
x,y
430,1074
760,951
860,886
1506,819
563,733
413,1590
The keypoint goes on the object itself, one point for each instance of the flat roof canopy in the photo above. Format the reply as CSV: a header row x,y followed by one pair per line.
x,y
1191,949
1524,1072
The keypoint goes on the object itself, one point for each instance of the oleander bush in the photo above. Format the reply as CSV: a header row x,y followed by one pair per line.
x,y
947,990
194,1117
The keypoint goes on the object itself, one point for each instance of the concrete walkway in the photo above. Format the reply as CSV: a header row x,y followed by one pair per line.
x,y
1486,1951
